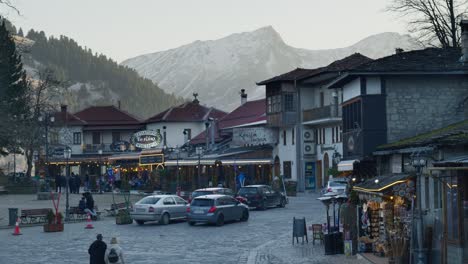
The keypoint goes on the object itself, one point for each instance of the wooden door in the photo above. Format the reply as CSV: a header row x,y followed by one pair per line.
x,y
319,174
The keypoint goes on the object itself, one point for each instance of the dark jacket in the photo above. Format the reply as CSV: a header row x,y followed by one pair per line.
x,y
90,203
96,252
82,205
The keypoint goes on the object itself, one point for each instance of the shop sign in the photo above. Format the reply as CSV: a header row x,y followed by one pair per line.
x,y
152,159
254,136
146,139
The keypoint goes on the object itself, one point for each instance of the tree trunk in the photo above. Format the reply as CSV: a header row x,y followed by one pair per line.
x,y
29,162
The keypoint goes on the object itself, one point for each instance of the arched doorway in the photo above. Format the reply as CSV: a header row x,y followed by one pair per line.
x,y
326,165
277,168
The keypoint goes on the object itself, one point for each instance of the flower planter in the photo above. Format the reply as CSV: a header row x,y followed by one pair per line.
x,y
123,218
53,227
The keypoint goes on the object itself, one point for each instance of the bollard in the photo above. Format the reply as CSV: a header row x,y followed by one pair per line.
x,y
13,216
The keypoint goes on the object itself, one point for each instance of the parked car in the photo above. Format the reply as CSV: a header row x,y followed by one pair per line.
x,y
207,191
336,185
261,196
216,209
162,208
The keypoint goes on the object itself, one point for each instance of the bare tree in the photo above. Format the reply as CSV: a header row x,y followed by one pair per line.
x,y
43,91
9,5
435,22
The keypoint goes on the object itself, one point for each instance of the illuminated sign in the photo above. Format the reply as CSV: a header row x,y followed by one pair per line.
x,y
146,139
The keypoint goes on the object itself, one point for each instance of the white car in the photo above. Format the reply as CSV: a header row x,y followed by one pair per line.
x,y
336,185
161,208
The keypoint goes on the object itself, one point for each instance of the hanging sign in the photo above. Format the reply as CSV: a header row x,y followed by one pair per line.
x,y
254,136
146,139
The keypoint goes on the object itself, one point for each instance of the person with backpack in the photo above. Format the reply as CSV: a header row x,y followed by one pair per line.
x,y
114,254
97,251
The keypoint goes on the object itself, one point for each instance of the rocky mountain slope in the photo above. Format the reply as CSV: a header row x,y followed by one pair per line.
x,y
218,69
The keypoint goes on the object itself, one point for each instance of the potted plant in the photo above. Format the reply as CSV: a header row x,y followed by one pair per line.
x,y
123,217
54,222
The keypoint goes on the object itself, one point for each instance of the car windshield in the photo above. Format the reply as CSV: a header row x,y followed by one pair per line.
x,y
248,190
337,183
202,202
200,193
149,200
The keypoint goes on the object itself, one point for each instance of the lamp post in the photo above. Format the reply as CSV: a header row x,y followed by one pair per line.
x,y
67,154
177,151
100,170
48,120
199,151
419,162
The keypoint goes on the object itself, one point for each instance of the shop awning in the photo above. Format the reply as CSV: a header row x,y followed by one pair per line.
x,y
380,183
346,165
194,162
127,156
453,163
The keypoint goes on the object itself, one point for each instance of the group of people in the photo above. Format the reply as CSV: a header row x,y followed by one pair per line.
x,y
101,254
74,183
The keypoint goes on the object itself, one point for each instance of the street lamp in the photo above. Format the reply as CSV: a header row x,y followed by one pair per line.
x,y
67,154
336,157
419,162
199,151
48,120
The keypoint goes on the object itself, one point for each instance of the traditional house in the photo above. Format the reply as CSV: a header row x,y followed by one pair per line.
x,y
299,103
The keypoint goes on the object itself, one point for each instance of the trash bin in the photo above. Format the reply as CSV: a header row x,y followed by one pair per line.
x,y
13,215
329,242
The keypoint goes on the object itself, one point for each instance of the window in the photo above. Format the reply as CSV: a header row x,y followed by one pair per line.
x,y
77,138
54,137
352,116
292,136
202,202
333,135
289,102
336,134
180,200
96,138
322,99
115,136
188,133
169,201
269,105
323,136
287,169
149,200
284,137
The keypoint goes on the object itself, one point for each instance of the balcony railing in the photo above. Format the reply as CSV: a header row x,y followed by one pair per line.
x,y
105,147
329,111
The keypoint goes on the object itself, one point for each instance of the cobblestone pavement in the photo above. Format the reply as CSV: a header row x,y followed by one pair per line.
x,y
265,238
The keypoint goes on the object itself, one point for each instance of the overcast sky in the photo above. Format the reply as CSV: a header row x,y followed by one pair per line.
x,y
126,28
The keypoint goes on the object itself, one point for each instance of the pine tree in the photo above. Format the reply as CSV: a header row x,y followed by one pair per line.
x,y
20,32
13,90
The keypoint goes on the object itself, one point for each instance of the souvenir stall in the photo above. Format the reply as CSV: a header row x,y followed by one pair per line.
x,y
385,215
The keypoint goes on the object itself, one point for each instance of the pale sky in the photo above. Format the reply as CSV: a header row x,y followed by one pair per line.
x,y
126,28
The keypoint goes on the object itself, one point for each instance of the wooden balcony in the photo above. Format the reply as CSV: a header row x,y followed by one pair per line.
x,y
282,119
322,113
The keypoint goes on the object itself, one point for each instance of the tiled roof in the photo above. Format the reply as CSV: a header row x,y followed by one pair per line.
x,y
68,119
187,112
251,111
106,115
454,134
426,60
298,74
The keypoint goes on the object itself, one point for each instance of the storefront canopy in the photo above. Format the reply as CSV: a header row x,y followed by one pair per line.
x,y
380,183
194,162
346,165
457,162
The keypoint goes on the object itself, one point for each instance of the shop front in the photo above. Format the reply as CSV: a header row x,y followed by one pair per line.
x,y
385,217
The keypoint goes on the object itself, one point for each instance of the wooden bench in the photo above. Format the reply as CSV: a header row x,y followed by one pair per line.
x,y
34,216
115,208
75,213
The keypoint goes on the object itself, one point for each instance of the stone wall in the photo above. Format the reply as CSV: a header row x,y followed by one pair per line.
x,y
417,105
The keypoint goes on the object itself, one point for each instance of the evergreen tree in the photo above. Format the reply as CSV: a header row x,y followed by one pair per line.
x,y
13,91
20,32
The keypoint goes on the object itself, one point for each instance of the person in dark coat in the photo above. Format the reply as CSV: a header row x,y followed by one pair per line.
x,y
58,184
97,250
90,204
71,183
77,183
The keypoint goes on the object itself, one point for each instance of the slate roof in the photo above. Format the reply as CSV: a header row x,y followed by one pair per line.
x,y
453,134
426,60
187,112
106,115
251,111
299,74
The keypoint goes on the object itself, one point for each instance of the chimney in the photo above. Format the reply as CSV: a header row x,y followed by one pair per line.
x,y
399,50
243,97
118,104
195,100
464,40
63,112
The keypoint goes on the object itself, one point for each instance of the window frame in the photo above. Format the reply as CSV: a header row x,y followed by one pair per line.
x,y
76,138
169,198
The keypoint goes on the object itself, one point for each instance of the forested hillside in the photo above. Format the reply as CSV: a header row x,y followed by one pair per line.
x,y
94,79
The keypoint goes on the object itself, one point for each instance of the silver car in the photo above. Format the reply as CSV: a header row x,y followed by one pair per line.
x,y
216,209
337,185
162,208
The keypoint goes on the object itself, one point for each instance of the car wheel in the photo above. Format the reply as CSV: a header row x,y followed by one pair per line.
x,y
262,206
220,220
245,215
164,219
139,222
282,203
191,223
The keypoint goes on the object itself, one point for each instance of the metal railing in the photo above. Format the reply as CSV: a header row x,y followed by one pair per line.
x,y
329,111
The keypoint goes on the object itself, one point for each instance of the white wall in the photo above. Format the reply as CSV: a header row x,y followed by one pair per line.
x,y
351,89
175,131
373,85
287,152
66,138
329,149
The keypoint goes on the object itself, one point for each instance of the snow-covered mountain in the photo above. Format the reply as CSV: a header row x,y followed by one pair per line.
x,y
218,69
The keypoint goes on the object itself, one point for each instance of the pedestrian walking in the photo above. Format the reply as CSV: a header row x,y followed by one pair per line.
x,y
114,254
58,184
97,250
77,183
71,183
